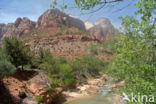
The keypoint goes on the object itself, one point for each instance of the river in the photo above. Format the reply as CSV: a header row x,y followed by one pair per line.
x,y
104,96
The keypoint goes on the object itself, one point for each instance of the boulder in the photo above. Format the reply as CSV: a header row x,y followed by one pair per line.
x,y
37,87
91,90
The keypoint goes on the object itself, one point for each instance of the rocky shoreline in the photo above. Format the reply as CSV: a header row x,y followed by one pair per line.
x,y
88,90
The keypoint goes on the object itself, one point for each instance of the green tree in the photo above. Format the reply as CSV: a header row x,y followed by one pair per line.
x,y
16,52
135,51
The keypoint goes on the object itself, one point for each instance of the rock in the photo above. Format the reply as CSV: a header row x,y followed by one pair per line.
x,y
91,90
29,100
118,99
22,94
37,86
3,29
103,30
104,77
88,25
20,27
120,84
54,17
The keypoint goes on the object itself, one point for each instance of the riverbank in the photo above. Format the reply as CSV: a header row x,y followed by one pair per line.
x,y
89,90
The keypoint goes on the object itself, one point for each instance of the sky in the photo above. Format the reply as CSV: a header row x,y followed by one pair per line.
x,y
12,9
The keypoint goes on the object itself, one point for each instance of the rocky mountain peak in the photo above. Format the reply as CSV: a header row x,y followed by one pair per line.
x,y
105,21
103,30
54,17
88,25
21,26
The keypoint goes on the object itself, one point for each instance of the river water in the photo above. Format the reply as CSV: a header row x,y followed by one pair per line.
x,y
104,96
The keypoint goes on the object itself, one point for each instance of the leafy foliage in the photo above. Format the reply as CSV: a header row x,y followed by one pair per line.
x,y
135,51
87,66
108,47
58,69
84,4
6,68
39,99
67,74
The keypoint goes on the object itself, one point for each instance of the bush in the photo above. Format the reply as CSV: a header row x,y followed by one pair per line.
x,y
38,99
49,89
58,69
62,60
58,34
55,80
67,75
6,68
94,48
108,47
35,62
48,63
88,66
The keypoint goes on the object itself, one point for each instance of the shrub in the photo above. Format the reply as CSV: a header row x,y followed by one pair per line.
x,y
62,60
48,63
58,34
67,75
88,65
58,69
49,89
6,68
39,99
35,62
55,80
94,49
108,47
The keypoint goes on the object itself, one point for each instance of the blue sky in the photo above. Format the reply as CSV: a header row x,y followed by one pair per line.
x,y
11,9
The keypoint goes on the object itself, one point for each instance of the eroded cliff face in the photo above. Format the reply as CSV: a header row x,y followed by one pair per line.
x,y
51,18
4,28
103,30
54,17
20,27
